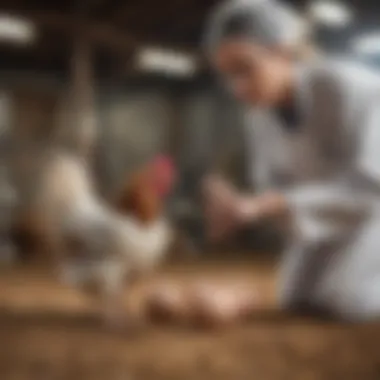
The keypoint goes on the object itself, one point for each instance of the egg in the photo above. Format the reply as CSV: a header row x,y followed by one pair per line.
x,y
221,304
167,302
201,304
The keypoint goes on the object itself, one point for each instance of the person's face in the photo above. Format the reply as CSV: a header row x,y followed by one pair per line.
x,y
253,73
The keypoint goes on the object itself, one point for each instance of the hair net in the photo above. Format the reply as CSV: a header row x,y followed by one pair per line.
x,y
266,21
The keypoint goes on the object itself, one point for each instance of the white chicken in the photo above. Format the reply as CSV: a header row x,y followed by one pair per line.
x,y
92,242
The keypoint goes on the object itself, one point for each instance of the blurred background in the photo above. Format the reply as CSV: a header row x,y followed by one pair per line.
x,y
127,80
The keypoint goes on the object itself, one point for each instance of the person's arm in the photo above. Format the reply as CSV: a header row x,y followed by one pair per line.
x,y
258,207
355,189
315,207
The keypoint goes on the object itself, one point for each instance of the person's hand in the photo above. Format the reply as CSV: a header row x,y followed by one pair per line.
x,y
225,209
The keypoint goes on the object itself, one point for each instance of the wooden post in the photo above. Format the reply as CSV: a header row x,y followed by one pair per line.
x,y
84,124
175,128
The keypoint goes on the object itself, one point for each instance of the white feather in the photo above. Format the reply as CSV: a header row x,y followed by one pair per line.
x,y
112,244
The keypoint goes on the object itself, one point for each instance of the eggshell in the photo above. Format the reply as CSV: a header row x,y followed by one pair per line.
x,y
167,303
204,304
221,305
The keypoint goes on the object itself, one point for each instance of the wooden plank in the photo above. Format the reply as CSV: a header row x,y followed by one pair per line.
x,y
72,25
102,34
84,128
33,290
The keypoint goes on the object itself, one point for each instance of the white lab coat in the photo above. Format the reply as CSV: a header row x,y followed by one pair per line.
x,y
329,167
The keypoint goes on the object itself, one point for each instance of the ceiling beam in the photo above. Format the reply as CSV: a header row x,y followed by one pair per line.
x,y
90,4
126,13
72,25
92,7
98,33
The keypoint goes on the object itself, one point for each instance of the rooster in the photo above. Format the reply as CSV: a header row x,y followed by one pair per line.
x,y
93,243
141,204
143,194
143,197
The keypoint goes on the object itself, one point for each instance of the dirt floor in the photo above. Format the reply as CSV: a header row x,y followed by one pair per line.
x,y
46,332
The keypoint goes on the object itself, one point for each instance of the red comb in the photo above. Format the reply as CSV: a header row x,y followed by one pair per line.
x,y
164,170
163,162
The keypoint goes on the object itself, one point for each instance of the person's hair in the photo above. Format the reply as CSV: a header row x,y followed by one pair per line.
x,y
239,24
266,21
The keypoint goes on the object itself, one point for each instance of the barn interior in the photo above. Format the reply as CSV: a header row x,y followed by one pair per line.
x,y
122,81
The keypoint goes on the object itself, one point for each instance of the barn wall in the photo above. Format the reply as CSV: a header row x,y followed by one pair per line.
x,y
212,134
135,123
134,126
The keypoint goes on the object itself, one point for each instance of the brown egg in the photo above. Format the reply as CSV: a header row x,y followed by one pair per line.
x,y
167,302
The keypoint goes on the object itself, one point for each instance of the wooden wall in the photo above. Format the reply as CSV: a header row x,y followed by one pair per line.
x,y
201,128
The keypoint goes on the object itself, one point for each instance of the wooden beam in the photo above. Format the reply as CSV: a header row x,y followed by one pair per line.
x,y
131,13
90,5
84,128
175,130
100,34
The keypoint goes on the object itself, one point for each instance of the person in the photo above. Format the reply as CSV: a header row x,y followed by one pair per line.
x,y
313,136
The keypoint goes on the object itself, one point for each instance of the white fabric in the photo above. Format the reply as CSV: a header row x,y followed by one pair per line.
x,y
338,142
